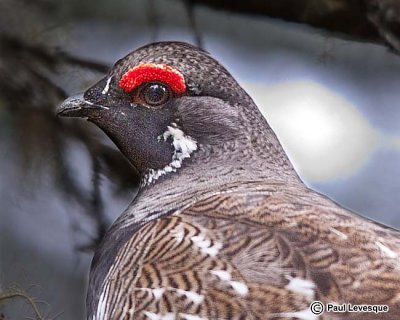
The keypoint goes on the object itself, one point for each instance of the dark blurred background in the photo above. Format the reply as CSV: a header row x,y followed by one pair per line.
x,y
325,73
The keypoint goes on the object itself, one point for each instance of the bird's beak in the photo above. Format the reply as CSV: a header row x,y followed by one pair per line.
x,y
77,106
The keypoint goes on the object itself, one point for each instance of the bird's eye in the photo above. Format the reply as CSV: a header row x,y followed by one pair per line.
x,y
155,94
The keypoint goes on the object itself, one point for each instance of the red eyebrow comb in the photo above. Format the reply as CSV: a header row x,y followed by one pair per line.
x,y
149,72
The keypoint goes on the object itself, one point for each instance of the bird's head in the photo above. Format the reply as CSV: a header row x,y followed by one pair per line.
x,y
162,104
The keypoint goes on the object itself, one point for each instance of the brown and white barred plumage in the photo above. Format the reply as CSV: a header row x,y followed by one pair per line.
x,y
253,251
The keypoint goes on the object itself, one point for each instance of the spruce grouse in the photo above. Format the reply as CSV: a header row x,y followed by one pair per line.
x,y
222,226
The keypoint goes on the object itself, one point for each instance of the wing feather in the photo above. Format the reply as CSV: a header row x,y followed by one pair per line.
x,y
244,255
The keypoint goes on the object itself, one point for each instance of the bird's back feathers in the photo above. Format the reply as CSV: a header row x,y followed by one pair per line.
x,y
255,251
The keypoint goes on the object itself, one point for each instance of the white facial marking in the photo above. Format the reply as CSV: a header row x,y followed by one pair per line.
x,y
205,246
155,316
175,164
302,286
186,316
184,146
107,86
387,251
340,234
192,296
303,315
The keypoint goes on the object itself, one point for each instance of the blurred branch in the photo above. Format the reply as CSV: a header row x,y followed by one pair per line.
x,y
97,203
84,63
153,18
51,58
26,73
364,20
29,92
13,294
385,15
192,19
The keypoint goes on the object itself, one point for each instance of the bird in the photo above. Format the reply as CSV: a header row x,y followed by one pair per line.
x,y
222,226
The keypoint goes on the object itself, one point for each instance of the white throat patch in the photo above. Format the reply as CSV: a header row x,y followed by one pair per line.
x,y
184,146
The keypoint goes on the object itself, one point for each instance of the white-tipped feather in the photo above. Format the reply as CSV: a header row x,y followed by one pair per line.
x,y
183,145
385,250
205,246
155,316
240,287
302,286
191,295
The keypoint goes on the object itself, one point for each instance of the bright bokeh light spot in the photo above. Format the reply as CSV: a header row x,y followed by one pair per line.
x,y
325,136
